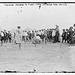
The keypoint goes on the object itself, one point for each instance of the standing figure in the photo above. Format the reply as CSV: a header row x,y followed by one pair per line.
x,y
9,37
67,35
53,35
70,34
45,34
57,34
5,37
29,35
49,34
64,36
18,37
42,35
23,36
73,37
2,37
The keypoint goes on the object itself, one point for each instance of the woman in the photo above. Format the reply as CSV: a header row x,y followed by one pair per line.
x,y
18,37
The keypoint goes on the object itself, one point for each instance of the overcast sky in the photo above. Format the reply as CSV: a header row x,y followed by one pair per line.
x,y
32,17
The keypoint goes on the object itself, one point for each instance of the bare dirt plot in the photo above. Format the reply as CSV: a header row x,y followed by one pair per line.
x,y
43,58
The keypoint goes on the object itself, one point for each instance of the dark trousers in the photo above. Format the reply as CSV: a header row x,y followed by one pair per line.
x,y
23,38
56,39
9,40
2,39
5,39
64,39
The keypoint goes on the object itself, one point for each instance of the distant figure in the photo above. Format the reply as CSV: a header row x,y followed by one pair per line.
x,y
39,6
5,37
18,37
29,36
36,40
74,26
49,34
42,35
53,35
67,35
73,37
2,37
45,38
9,37
64,36
57,34
23,36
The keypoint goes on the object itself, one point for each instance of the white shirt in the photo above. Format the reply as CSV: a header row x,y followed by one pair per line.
x,y
39,32
53,33
2,34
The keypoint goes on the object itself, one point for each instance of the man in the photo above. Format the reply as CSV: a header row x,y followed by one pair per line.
x,y
45,38
57,34
9,37
23,36
5,37
73,38
28,37
74,26
42,35
33,34
70,34
67,35
2,37
64,36
49,35
53,35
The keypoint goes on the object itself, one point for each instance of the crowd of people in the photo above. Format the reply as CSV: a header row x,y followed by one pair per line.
x,y
38,36
68,35
5,37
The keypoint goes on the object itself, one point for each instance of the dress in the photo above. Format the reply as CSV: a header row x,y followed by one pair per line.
x,y
18,36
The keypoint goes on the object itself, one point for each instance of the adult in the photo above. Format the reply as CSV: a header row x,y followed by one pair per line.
x,y
18,36
53,35
23,36
2,37
49,34
63,36
57,34
9,37
5,36
45,34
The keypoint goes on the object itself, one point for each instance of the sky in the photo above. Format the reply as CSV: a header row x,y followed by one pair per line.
x,y
35,18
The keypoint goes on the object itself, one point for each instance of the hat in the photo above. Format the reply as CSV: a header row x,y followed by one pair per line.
x,y
74,25
18,27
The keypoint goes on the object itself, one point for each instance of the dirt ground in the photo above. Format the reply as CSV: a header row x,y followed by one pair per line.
x,y
43,58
